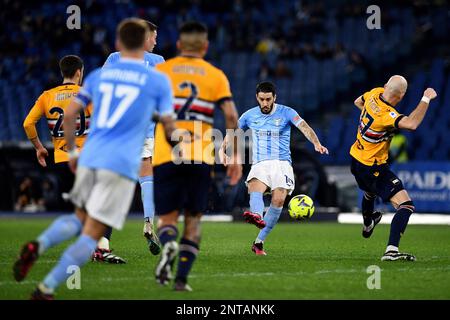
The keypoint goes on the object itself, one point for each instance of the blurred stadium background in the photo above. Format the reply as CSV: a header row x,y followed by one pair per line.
x,y
320,54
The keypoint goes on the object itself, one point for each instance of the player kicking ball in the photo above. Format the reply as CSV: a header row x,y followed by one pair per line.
x,y
271,169
378,122
124,97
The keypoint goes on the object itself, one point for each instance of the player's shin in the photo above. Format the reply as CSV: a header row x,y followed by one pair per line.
x,y
76,255
167,233
147,197
399,223
257,203
271,219
62,229
367,205
188,253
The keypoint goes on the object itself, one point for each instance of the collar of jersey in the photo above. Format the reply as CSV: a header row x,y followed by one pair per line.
x,y
133,60
382,99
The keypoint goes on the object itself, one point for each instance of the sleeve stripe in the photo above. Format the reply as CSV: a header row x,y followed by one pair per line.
x,y
224,99
363,100
398,120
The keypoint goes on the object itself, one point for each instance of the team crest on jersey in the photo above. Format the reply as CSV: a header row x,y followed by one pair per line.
x,y
277,122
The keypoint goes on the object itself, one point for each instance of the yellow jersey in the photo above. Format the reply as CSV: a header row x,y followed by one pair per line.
x,y
51,104
198,87
377,125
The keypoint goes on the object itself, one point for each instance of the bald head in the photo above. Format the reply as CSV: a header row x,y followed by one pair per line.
x,y
395,89
396,85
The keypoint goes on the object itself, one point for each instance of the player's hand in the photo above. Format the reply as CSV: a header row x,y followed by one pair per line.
x,y
73,162
321,149
234,172
41,154
430,93
73,159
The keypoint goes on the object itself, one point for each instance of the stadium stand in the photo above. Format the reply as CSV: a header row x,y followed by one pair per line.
x,y
317,53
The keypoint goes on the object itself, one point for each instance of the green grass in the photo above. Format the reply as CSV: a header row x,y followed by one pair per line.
x,y
304,261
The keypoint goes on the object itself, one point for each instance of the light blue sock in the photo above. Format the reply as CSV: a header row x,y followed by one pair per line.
x,y
76,255
271,219
62,229
147,196
257,203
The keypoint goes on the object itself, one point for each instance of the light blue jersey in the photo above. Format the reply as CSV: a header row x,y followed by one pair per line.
x,y
150,60
124,95
271,133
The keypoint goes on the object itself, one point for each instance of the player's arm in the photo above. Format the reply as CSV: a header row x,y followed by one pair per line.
x,y
413,121
168,123
309,133
78,103
234,167
359,102
36,113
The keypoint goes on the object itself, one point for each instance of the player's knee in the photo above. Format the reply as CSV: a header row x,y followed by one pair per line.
x,y
407,205
278,201
168,219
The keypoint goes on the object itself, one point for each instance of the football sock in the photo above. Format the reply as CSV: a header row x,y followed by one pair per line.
x,y
167,233
147,196
63,228
188,253
391,248
108,233
271,219
103,243
399,222
367,205
76,255
257,203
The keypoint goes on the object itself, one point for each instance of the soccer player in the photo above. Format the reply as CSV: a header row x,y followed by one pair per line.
x,y
378,122
124,97
271,169
103,252
198,87
52,104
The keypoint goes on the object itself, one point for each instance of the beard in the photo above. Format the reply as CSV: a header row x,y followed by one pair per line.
x,y
267,109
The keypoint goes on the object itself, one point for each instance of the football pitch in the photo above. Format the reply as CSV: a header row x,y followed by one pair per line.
x,y
305,261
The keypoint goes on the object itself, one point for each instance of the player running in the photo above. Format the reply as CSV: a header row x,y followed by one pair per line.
x,y
378,122
52,104
124,97
198,87
103,252
271,124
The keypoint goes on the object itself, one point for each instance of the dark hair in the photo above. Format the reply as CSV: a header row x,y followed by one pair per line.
x,y
69,65
153,27
193,27
266,86
132,32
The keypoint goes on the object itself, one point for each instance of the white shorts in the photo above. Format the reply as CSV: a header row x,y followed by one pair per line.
x,y
105,195
274,174
147,151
